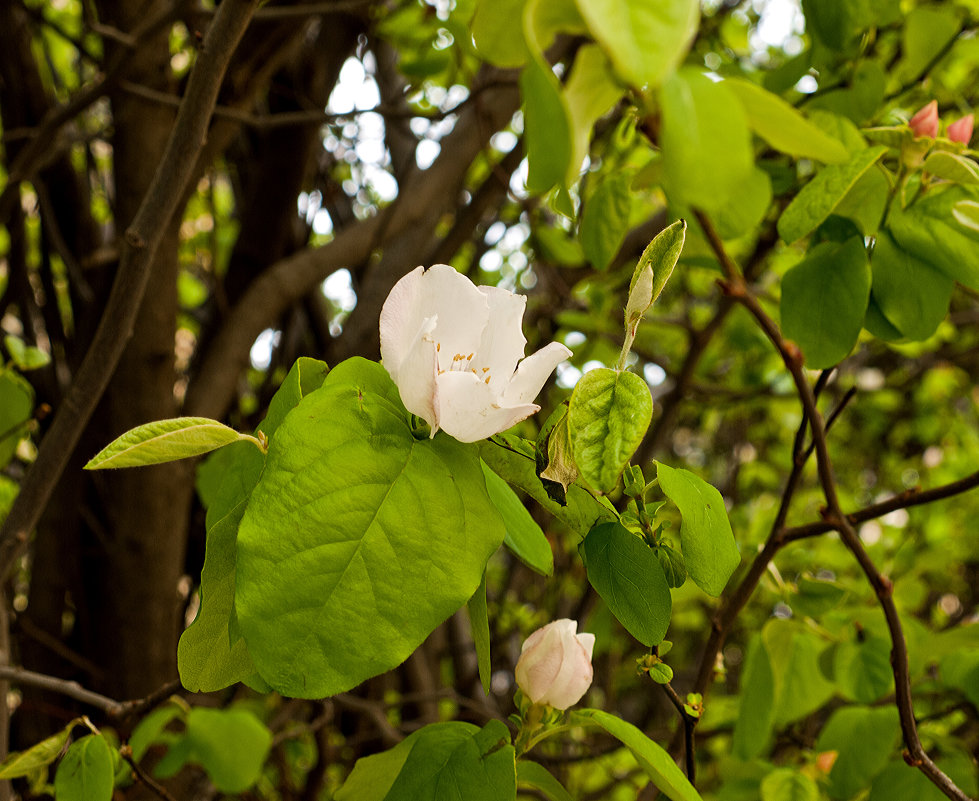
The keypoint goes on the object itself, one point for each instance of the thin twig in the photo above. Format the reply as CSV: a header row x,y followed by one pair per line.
x,y
689,724
736,287
69,689
145,778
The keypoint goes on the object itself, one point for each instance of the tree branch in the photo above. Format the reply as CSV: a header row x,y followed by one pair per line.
x,y
141,241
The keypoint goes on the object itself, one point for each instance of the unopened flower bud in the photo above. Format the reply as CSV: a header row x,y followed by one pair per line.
x,y
555,664
960,130
925,121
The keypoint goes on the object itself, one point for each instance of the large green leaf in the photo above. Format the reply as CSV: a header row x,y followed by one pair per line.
x,y
590,92
786,784
164,441
705,139
87,772
523,536
863,739
824,299
608,416
952,167
818,198
645,41
440,762
800,686
359,539
211,653
784,128
652,758
935,230
628,576
863,669
547,127
709,550
230,744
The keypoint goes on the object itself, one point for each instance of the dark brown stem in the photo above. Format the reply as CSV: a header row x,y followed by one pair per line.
x,y
689,724
143,777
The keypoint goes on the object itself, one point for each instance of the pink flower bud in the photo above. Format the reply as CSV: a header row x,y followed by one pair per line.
x,y
555,664
961,130
925,121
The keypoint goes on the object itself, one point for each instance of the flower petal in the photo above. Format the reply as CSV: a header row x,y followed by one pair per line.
x,y
401,318
469,409
502,344
533,372
417,373
462,309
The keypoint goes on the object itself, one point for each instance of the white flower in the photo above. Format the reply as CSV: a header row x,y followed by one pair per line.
x,y
453,350
555,664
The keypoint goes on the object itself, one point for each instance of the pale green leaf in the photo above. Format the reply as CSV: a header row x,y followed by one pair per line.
x,y
783,127
605,220
863,739
756,712
23,763
591,91
25,356
230,744
952,167
479,627
654,269
652,758
493,32
607,419
164,441
16,409
538,777
786,784
645,41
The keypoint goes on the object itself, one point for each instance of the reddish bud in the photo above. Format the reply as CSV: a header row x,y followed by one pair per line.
x,y
961,130
925,121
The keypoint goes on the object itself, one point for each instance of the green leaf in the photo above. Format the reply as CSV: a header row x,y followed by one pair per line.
x,y
479,626
645,41
706,144
814,597
591,91
653,270
863,739
784,128
863,669
652,758
952,167
926,31
824,299
350,554
16,408
440,762
960,670
756,713
605,219
800,687
901,782
492,30
627,575
818,198
23,763
942,230
149,730
866,201
786,784
554,460
87,771
861,97
673,564
547,128
607,419
911,294
523,536
26,357
164,441
709,550
538,777
211,654
581,510
230,744
745,211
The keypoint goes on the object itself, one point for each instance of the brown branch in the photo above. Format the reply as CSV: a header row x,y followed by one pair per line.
x,y
141,241
689,724
736,287
69,689
143,777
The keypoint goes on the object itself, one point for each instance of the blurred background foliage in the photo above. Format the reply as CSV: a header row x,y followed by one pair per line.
x,y
355,139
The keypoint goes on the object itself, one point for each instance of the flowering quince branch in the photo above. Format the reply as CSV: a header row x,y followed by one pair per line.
x,y
456,353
